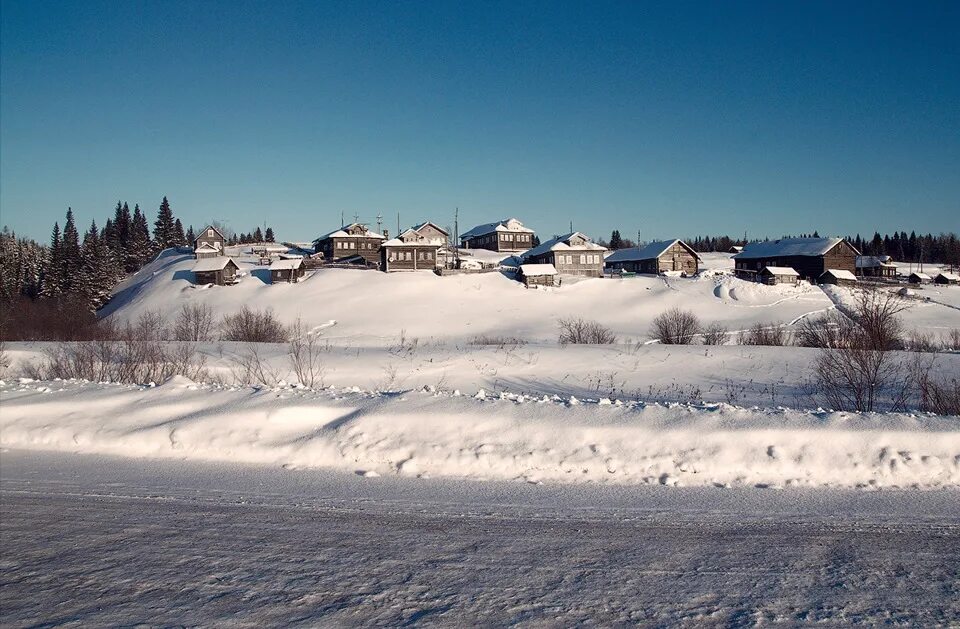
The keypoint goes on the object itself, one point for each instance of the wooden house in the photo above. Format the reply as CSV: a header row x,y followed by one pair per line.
x,y
876,266
947,278
774,275
219,270
655,258
209,243
571,254
431,233
809,257
287,270
350,243
840,277
506,235
410,251
537,274
919,278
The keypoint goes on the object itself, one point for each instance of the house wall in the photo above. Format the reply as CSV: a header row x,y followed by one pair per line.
x,y
211,237
286,275
501,241
199,255
220,278
678,258
432,235
538,280
585,263
772,280
342,247
408,258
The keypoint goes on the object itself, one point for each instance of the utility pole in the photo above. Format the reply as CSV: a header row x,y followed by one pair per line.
x,y
571,227
398,223
379,222
456,237
356,217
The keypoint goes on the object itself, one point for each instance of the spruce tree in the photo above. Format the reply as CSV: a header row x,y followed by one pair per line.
x,y
70,250
616,242
179,238
52,284
164,230
191,236
268,235
139,251
257,235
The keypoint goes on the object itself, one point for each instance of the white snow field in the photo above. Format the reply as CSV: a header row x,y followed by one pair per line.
x,y
98,541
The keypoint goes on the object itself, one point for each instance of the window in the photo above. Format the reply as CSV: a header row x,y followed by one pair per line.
x,y
583,259
210,233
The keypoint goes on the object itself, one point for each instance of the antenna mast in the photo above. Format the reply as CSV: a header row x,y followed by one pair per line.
x,y
456,237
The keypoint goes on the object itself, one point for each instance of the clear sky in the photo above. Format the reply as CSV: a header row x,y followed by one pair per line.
x,y
677,118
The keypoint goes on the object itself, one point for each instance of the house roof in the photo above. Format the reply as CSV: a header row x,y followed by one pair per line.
x,y
206,246
505,225
872,262
789,247
953,277
840,274
202,231
396,242
417,228
206,265
780,270
286,263
562,243
652,250
342,233
537,270
922,276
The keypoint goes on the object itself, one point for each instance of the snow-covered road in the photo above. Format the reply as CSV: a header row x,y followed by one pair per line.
x,y
100,541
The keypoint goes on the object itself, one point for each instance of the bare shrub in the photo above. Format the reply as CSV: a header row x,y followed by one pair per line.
x,y
304,350
500,341
775,335
829,330
876,311
579,331
919,341
251,326
952,341
4,358
715,334
940,395
250,366
675,327
194,322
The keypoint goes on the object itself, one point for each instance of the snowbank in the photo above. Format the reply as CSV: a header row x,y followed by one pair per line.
x,y
536,439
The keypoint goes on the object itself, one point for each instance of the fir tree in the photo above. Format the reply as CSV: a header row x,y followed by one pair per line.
x,y
179,239
257,236
268,236
53,275
616,242
140,249
164,230
191,236
70,254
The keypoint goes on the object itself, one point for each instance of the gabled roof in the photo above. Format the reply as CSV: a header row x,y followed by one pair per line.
x,y
206,265
953,277
649,252
203,231
922,276
840,274
286,263
537,270
790,247
417,228
505,225
780,270
342,233
562,243
205,246
396,242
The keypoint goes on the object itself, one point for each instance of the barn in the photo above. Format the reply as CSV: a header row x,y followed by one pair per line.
x,y
774,275
537,274
219,270
840,277
809,257
287,270
919,278
657,257
947,278
571,254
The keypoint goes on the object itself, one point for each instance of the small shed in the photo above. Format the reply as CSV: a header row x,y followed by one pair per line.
x,y
773,275
840,277
735,249
219,270
286,270
919,278
537,274
947,278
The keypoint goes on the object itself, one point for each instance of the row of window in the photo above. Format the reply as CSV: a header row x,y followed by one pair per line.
x,y
349,244
400,256
583,258
519,238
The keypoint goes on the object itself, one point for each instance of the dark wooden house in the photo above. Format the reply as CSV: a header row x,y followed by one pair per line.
x,y
919,278
350,242
809,257
571,254
411,251
876,266
947,278
431,233
537,275
506,235
209,243
219,270
839,277
655,258
287,270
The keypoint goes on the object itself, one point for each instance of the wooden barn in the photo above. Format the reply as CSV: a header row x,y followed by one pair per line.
x,y
219,270
839,277
947,278
410,251
919,278
774,275
655,258
287,270
571,254
809,257
349,242
876,266
537,274
506,235
209,243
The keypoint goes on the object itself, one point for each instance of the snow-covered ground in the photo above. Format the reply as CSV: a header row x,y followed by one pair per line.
x,y
95,541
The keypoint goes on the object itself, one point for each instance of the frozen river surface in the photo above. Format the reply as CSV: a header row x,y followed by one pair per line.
x,y
99,541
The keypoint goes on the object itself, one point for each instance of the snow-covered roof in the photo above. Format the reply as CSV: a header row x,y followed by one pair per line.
x,y
536,270
788,247
922,276
653,250
396,242
342,233
871,262
780,270
206,246
506,225
417,228
840,274
205,265
286,263
953,277
562,243
204,230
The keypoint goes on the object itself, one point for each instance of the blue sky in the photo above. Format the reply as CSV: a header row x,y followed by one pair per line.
x,y
677,118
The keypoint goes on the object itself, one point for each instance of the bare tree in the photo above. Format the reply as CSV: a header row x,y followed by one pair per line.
x,y
253,327
304,350
775,335
675,327
578,331
194,323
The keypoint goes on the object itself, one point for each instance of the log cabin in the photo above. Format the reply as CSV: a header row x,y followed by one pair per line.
x,y
209,243
809,257
919,278
410,251
506,235
287,270
657,257
219,270
876,266
773,275
537,274
839,277
349,242
570,254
